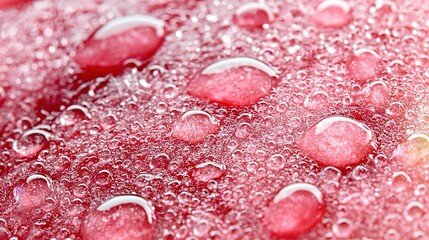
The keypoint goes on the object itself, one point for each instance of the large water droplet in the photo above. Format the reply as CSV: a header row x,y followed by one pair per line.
x,y
194,126
121,217
237,81
253,15
338,141
295,209
135,37
31,143
332,14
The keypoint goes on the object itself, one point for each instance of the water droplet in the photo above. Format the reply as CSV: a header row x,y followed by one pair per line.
x,y
338,141
363,65
135,37
295,209
316,100
103,178
276,162
237,81
74,114
201,228
413,151
376,95
121,217
343,228
243,130
392,234
253,15
207,171
194,126
33,192
414,211
400,181
31,143
160,161
332,14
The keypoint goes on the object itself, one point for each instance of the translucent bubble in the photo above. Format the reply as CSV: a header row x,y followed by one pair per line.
x,y
332,14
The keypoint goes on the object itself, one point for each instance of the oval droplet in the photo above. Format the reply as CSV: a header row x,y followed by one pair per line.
x,y
31,143
363,65
253,15
295,209
33,192
136,37
338,141
413,151
194,126
74,114
343,228
316,101
401,181
121,217
207,171
237,81
332,14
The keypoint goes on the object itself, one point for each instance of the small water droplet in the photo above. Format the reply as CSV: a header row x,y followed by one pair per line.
x,y
208,171
74,114
194,126
343,228
400,181
253,15
332,14
414,211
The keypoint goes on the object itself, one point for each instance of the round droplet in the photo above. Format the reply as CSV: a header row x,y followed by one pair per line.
x,y
135,37
338,141
243,130
376,95
332,14
73,115
253,15
103,178
121,217
194,126
413,151
295,209
392,234
237,81
414,211
31,143
363,65
316,101
33,192
400,181
343,228
207,171
276,162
